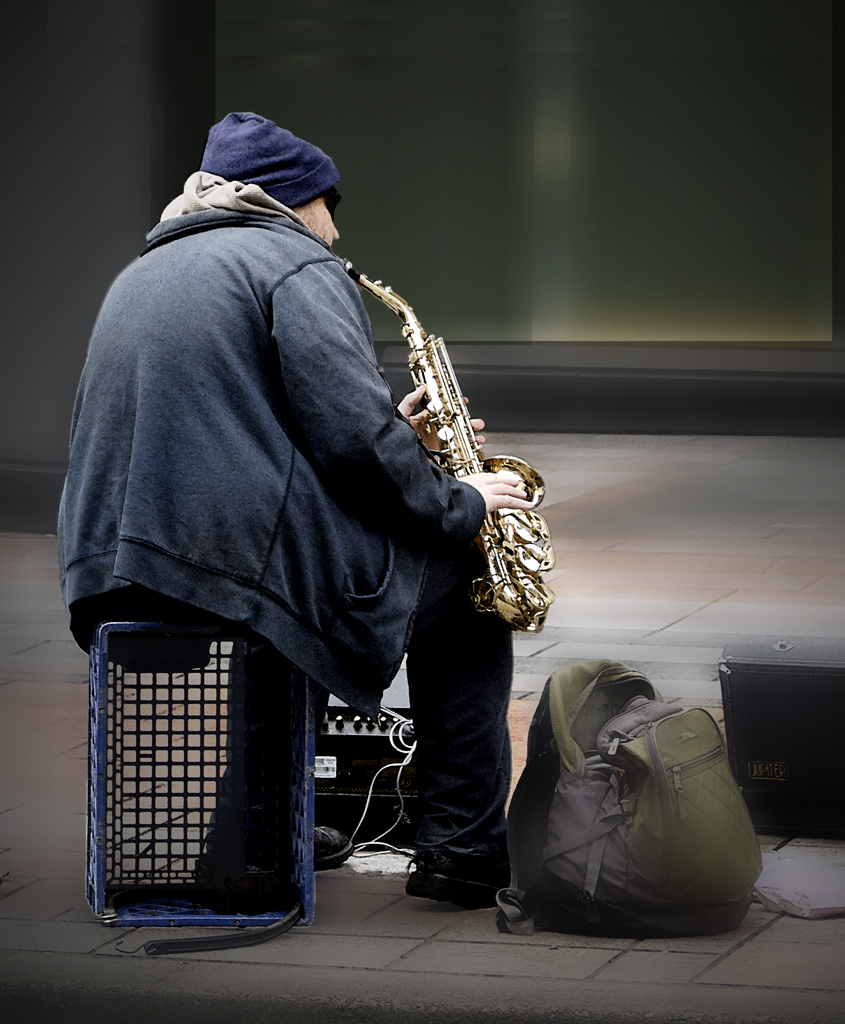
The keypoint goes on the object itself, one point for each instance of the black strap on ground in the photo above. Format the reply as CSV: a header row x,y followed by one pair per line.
x,y
247,937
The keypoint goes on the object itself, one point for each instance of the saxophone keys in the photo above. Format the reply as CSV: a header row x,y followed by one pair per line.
x,y
528,559
535,559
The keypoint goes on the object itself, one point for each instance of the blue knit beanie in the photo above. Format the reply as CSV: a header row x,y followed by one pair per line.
x,y
249,148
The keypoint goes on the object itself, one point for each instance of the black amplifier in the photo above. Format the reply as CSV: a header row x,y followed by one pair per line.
x,y
351,749
784,702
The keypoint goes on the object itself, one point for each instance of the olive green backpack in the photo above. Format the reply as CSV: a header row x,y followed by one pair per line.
x,y
626,819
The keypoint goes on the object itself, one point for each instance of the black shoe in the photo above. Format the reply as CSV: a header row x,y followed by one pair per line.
x,y
470,880
331,848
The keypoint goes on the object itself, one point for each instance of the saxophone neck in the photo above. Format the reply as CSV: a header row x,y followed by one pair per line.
x,y
413,331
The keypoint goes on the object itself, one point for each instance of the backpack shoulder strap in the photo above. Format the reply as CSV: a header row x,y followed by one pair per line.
x,y
528,812
582,697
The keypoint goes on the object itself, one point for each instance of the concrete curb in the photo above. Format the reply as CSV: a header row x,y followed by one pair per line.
x,y
86,989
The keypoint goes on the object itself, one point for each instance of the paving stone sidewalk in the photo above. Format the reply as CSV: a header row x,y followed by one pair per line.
x,y
668,548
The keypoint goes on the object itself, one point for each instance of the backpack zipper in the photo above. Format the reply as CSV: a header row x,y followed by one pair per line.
x,y
678,771
665,800
662,776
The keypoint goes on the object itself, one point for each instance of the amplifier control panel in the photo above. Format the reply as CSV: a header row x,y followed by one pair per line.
x,y
343,720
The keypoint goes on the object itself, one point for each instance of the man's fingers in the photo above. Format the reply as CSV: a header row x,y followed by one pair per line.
x,y
506,482
411,401
503,478
420,420
500,490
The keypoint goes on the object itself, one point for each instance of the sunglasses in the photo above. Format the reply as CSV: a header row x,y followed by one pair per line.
x,y
332,198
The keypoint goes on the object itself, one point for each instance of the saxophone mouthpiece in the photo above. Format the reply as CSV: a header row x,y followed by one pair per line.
x,y
353,273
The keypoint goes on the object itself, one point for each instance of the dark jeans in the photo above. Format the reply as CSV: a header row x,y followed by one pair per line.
x,y
460,667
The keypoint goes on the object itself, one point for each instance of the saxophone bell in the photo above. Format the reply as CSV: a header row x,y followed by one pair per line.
x,y
535,487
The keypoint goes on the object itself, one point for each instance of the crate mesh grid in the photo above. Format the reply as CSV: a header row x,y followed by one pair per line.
x,y
173,738
166,771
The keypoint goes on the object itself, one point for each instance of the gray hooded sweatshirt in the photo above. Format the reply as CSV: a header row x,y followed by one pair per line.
x,y
234,447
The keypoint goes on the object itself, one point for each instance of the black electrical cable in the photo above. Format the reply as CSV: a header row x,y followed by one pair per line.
x,y
251,937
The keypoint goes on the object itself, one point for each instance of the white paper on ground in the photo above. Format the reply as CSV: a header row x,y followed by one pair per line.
x,y
802,883
379,863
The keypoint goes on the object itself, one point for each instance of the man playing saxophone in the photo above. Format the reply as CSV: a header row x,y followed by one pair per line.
x,y
236,457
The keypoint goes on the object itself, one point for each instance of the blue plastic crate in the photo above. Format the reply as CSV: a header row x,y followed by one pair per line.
x,y
201,780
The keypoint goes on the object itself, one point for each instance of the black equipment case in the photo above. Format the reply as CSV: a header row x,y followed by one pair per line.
x,y
784,703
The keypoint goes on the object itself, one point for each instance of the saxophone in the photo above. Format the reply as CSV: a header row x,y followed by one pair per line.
x,y
516,544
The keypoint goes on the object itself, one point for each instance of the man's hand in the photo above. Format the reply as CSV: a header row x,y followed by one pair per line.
x,y
418,422
499,490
